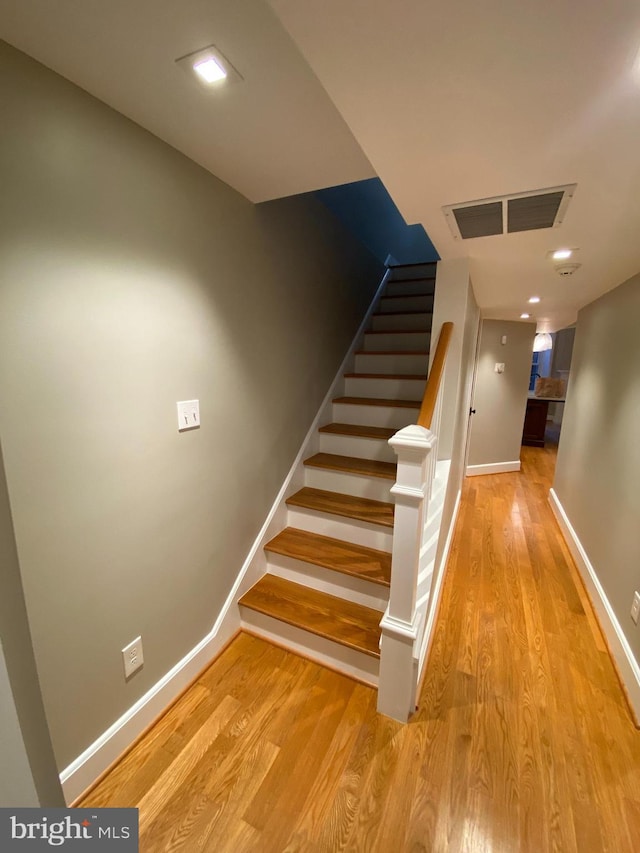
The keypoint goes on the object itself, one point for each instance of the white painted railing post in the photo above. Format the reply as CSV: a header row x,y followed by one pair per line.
x,y
414,446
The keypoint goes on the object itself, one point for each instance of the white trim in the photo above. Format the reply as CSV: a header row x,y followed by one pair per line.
x,y
398,627
618,644
436,592
493,468
87,767
411,496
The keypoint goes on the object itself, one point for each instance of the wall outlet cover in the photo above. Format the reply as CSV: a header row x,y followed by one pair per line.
x,y
133,657
635,607
499,368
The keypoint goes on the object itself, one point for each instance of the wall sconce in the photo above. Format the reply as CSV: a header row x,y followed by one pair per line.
x,y
542,341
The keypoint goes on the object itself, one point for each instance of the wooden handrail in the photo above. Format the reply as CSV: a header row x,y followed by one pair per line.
x,y
435,377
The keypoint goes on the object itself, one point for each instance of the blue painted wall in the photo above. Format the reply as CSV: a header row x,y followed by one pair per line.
x,y
366,208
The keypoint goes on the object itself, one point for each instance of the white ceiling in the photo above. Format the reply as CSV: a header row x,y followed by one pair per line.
x,y
275,134
449,101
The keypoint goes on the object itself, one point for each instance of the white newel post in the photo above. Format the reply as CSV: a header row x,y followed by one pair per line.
x,y
414,446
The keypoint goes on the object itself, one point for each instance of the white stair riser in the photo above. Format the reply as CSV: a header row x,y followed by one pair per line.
x,y
406,303
408,288
383,322
367,362
363,448
384,416
349,661
374,488
348,587
389,341
385,389
349,529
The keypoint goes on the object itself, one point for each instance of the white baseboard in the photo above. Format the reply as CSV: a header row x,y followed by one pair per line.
x,y
87,767
493,468
628,667
102,753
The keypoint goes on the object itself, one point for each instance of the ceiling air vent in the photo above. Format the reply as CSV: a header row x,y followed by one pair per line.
x,y
509,214
479,220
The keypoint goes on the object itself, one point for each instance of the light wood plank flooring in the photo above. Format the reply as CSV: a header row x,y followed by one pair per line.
x,y
522,740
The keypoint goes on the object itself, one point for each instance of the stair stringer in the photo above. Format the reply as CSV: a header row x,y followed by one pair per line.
x,y
255,565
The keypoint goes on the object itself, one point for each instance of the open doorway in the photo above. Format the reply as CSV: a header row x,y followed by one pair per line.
x,y
545,407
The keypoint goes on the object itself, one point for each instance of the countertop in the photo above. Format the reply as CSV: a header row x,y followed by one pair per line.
x,y
533,396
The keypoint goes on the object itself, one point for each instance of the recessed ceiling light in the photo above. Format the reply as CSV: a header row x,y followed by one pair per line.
x,y
210,70
534,300
562,254
525,316
209,67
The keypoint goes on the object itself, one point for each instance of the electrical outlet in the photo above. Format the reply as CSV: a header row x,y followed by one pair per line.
x,y
133,657
499,368
635,607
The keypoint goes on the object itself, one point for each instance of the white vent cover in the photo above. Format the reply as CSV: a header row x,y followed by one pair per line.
x,y
509,214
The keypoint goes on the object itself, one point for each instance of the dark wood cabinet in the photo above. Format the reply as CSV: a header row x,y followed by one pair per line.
x,y
535,422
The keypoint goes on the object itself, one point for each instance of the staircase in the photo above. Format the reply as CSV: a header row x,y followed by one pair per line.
x,y
328,572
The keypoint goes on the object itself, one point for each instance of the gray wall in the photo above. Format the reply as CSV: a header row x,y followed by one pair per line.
x,y
598,470
17,787
28,774
130,279
500,399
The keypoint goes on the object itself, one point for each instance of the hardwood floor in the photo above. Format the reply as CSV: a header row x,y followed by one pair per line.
x,y
522,740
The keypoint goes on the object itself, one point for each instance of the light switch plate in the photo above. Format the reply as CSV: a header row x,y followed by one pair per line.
x,y
188,414
499,368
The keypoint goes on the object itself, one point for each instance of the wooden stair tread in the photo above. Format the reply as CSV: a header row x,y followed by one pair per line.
x,y
400,313
397,332
425,353
429,278
397,266
344,622
359,431
421,376
353,465
336,554
404,296
379,401
348,506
